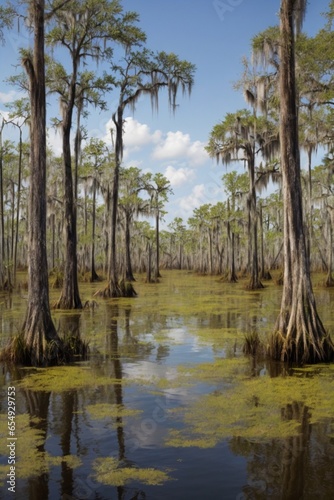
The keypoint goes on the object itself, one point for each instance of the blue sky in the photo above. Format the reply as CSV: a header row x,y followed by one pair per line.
x,y
214,35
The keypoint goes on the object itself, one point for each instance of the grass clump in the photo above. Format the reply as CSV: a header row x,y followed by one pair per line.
x,y
252,344
53,352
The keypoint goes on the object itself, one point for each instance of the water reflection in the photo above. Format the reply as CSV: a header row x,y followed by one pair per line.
x,y
141,347
37,408
291,468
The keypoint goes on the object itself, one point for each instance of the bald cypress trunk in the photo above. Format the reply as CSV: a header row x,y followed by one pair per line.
x,y
70,297
38,328
299,333
116,287
254,282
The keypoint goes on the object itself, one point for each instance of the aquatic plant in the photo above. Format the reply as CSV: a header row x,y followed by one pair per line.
x,y
110,471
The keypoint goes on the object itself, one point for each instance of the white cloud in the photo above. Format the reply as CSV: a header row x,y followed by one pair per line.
x,y
179,145
170,146
200,195
196,198
179,176
54,141
6,97
4,114
136,135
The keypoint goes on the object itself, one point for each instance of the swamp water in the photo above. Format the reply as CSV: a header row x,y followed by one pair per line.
x,y
167,406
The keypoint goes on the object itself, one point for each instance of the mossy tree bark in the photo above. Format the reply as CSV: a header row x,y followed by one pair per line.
x,y
299,333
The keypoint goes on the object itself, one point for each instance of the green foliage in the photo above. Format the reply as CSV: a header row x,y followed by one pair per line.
x,y
7,16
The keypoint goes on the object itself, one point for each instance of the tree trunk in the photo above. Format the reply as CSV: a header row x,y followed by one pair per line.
x,y
70,297
157,244
116,288
128,265
180,255
41,342
299,333
2,221
18,202
254,282
329,279
265,275
210,251
94,275
149,264
232,277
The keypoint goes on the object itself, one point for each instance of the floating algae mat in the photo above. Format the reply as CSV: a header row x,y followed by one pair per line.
x,y
167,406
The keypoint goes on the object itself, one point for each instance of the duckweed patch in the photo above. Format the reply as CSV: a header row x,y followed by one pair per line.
x,y
254,409
105,410
222,370
109,471
64,378
31,460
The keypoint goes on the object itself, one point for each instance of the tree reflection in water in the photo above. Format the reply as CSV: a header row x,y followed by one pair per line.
x,y
296,467
113,353
69,325
38,406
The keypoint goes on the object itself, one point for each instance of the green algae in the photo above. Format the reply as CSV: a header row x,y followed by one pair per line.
x,y
64,378
30,458
253,408
216,315
221,370
110,472
101,411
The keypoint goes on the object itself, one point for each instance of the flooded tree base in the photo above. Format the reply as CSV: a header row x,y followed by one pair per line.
x,y
115,289
329,281
266,276
305,343
229,278
254,284
279,280
252,344
152,280
94,277
44,352
67,303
